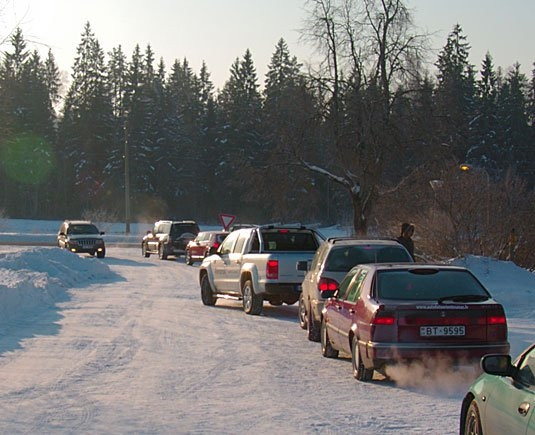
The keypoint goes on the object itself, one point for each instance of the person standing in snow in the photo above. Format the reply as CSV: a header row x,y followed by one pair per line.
x,y
407,230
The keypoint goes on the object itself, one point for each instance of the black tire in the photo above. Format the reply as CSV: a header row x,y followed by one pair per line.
x,y
326,349
207,295
162,255
302,313
144,251
313,328
472,421
252,303
360,372
188,259
101,254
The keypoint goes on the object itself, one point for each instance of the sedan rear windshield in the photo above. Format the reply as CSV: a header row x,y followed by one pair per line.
x,y
343,258
427,284
287,240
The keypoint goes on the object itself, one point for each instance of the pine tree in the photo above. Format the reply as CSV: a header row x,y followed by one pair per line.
x,y
242,136
455,93
513,125
485,149
27,151
286,111
87,125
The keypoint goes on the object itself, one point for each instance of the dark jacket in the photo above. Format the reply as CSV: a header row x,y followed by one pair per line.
x,y
408,243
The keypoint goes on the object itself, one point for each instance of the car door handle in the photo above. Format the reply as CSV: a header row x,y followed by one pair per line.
x,y
523,409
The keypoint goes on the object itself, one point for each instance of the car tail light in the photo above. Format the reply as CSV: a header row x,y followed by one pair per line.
x,y
386,320
496,320
272,269
327,284
383,325
216,245
496,325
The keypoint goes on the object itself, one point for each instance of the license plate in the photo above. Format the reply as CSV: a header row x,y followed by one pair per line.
x,y
442,331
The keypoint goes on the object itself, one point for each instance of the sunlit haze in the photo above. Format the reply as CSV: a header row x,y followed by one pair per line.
x,y
219,31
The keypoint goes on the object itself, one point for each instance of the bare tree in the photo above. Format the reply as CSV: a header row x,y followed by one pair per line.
x,y
369,51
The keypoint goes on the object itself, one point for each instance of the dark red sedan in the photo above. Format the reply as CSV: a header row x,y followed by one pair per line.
x,y
383,314
199,248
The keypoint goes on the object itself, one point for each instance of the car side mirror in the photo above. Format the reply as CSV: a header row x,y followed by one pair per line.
x,y
102,233
499,365
302,266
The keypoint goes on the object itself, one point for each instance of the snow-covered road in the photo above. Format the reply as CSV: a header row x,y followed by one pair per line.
x,y
136,351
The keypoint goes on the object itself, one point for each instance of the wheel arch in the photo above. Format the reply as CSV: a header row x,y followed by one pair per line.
x,y
249,272
206,272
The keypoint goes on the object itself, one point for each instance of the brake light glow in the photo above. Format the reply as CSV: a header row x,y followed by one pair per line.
x,y
283,231
496,320
216,245
326,284
390,320
272,269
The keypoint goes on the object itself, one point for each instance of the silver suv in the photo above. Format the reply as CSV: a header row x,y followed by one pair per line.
x,y
333,259
81,236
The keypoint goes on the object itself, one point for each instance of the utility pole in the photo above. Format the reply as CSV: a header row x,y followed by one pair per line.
x,y
126,180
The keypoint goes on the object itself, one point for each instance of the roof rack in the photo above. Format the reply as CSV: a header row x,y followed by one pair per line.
x,y
365,238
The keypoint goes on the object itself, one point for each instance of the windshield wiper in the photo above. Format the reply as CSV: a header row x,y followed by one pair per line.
x,y
463,298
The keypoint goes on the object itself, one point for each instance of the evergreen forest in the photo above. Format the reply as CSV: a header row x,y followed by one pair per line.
x,y
370,136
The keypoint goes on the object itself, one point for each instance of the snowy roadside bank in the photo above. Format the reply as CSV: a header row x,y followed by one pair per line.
x,y
34,280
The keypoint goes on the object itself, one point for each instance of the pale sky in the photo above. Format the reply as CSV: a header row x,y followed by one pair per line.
x,y
219,31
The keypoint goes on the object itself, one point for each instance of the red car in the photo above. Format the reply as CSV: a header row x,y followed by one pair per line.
x,y
386,313
199,248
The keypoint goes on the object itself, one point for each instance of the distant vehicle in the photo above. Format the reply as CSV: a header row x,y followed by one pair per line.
x,y
258,264
169,238
82,237
329,266
502,399
383,314
199,248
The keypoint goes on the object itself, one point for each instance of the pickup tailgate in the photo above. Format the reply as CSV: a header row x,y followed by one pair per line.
x,y
287,265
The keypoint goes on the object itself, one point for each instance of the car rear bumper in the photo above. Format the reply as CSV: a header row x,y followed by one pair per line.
x,y
287,292
388,353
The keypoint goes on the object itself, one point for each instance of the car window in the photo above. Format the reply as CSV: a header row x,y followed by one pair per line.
x,y
526,369
345,283
179,229
288,240
343,258
82,229
220,237
317,260
255,244
353,292
226,246
238,247
429,284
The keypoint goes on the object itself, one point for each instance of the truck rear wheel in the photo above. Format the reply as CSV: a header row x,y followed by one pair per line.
x,y
252,303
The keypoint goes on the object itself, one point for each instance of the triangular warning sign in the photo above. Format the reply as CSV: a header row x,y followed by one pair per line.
x,y
226,220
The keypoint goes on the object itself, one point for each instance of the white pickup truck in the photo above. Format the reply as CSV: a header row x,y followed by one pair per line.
x,y
259,264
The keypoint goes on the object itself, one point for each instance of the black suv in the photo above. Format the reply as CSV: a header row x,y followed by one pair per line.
x,y
169,238
81,236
